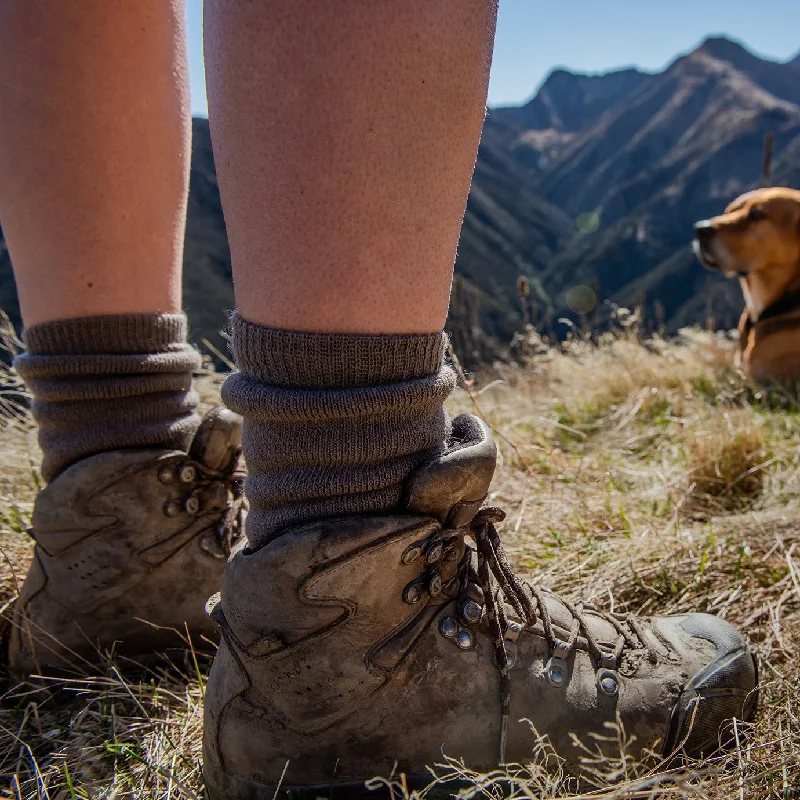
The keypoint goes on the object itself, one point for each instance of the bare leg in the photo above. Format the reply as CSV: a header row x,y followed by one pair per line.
x,y
345,136
94,150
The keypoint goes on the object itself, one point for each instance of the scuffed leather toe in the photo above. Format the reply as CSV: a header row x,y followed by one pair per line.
x,y
722,689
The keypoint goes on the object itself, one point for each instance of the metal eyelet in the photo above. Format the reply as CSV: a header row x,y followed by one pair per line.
x,y
608,661
608,682
464,639
412,553
211,545
192,504
513,630
412,594
435,552
557,672
471,612
166,475
561,649
188,473
448,627
511,655
435,585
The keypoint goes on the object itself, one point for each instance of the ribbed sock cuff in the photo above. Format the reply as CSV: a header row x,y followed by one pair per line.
x,y
114,335
333,423
107,383
294,360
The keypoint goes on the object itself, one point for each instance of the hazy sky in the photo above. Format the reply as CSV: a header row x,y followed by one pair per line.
x,y
533,36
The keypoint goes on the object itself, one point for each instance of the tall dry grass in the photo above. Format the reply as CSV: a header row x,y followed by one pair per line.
x,y
646,476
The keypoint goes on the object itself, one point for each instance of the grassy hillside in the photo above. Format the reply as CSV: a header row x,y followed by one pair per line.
x,y
646,477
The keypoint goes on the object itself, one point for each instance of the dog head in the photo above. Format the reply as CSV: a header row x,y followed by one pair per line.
x,y
758,239
759,231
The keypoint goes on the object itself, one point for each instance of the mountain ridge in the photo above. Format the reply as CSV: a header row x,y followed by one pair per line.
x,y
595,180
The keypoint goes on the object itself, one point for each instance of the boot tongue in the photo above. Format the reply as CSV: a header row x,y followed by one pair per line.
x,y
218,441
452,486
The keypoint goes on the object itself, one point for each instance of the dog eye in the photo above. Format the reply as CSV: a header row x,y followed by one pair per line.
x,y
756,213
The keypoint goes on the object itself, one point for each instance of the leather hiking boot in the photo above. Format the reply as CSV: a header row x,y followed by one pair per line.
x,y
129,544
371,645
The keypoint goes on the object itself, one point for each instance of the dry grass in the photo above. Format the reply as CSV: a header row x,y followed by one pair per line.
x,y
726,460
644,476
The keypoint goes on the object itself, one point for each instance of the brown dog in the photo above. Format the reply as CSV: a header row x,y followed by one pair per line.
x,y
758,239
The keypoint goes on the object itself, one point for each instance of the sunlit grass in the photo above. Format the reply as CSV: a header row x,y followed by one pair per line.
x,y
644,476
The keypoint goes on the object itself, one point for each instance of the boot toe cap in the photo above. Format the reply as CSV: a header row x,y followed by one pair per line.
x,y
723,688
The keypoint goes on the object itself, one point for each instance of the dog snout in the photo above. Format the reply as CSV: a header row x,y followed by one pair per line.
x,y
703,231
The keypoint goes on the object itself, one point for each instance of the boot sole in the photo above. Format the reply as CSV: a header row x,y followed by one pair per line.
x,y
222,786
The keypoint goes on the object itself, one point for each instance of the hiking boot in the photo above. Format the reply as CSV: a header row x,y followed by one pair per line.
x,y
371,645
129,544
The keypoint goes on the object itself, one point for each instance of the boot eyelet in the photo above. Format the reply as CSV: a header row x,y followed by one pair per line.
x,y
412,553
167,475
513,630
435,585
188,473
608,682
192,505
608,661
464,639
172,508
557,672
448,627
561,649
412,594
211,546
471,612
511,655
434,553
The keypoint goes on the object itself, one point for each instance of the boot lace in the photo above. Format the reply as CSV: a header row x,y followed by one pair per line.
x,y
529,603
228,529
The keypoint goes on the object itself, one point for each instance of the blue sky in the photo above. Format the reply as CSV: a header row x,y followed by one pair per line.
x,y
533,36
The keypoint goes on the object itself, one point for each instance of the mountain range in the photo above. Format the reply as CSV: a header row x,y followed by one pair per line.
x,y
633,159
595,182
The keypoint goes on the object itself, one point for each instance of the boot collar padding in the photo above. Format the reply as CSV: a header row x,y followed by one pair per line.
x,y
455,483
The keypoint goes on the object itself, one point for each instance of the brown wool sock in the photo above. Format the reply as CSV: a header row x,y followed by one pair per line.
x,y
107,383
333,423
